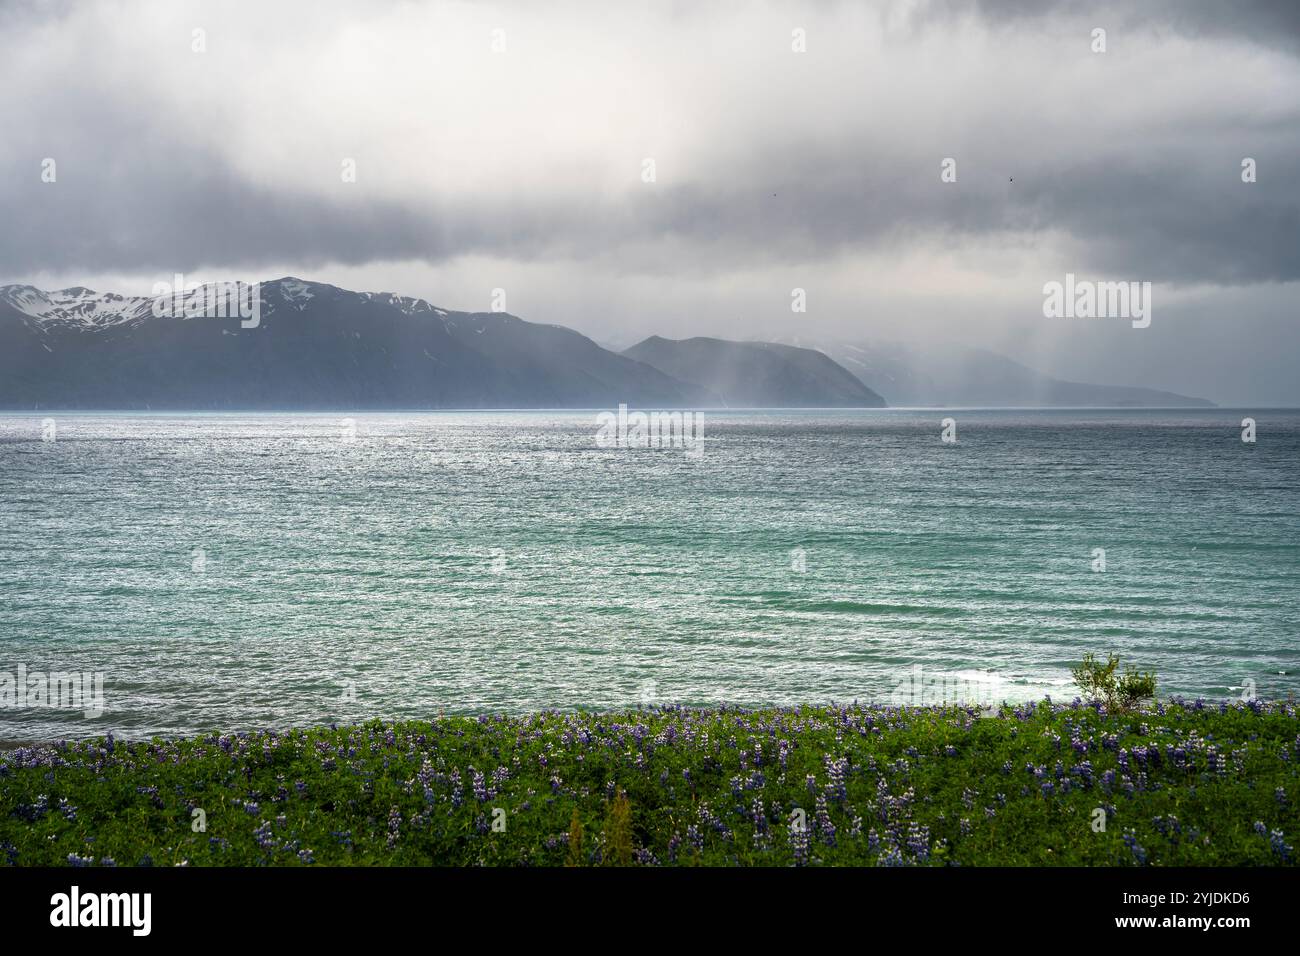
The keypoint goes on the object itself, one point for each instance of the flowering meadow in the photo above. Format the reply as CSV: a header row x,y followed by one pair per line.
x,y
1046,783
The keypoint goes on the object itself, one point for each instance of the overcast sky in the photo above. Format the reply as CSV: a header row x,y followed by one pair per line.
x,y
524,168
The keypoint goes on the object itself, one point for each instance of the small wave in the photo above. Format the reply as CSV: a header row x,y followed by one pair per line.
x,y
866,607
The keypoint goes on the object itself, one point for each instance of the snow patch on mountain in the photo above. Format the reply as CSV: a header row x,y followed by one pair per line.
x,y
296,293
84,309
76,308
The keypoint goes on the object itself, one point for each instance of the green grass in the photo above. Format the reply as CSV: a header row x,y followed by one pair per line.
x,y
1179,784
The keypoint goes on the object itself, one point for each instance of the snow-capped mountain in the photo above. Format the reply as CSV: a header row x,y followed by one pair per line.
x,y
85,309
75,308
314,345
311,345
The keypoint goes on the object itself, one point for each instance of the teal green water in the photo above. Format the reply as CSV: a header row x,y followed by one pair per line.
x,y
239,571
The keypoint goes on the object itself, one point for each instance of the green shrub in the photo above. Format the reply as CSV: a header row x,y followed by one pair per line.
x,y
618,832
574,856
1119,693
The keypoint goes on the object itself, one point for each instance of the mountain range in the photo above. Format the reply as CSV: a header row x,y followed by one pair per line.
x,y
754,374
953,375
317,346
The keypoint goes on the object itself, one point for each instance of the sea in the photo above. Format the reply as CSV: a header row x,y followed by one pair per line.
x,y
196,572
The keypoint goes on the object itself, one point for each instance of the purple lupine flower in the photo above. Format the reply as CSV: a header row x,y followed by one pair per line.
x,y
918,841
1279,845
824,824
674,842
394,827
1139,853
479,785
799,839
695,837
265,839
836,770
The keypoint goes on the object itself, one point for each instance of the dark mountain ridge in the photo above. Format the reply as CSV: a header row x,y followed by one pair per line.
x,y
314,346
757,374
317,346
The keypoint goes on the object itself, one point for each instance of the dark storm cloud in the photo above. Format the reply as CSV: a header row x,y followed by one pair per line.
x,y
1160,218
138,192
1274,23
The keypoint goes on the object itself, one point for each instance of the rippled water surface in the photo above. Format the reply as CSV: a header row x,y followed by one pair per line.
x,y
240,571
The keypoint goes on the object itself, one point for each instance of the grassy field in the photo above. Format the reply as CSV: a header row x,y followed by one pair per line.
x,y
1181,783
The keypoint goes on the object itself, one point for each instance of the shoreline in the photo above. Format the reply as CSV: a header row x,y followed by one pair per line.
x,y
981,710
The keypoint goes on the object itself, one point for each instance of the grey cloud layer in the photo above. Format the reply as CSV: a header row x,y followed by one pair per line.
x,y
135,192
1267,22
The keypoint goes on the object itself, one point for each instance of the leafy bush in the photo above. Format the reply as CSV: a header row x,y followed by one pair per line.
x,y
1119,694
617,848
